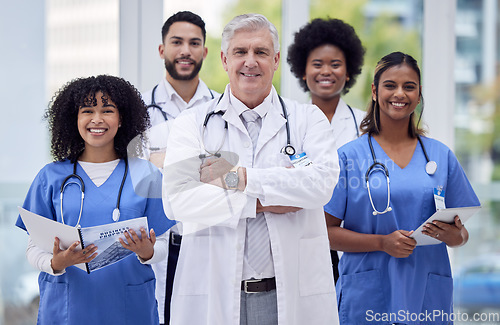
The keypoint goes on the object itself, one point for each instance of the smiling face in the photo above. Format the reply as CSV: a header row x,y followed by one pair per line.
x,y
250,63
98,124
398,93
326,72
183,51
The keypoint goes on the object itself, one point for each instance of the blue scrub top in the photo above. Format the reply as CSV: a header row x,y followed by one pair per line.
x,y
374,284
122,293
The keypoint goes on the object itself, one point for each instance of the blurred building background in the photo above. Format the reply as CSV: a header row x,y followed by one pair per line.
x,y
48,43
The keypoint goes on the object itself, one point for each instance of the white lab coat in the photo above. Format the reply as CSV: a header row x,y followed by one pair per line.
x,y
343,124
209,272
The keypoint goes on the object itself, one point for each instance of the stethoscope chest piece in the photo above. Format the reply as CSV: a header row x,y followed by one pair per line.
x,y
116,214
431,167
289,150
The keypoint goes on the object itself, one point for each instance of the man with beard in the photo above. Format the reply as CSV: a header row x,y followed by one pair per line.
x,y
183,50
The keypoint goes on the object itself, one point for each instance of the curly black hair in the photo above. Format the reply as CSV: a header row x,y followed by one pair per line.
x,y
325,32
62,115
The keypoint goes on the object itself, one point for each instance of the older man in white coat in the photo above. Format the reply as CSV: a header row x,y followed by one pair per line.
x,y
248,174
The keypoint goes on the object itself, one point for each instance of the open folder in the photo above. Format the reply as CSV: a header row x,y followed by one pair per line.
x,y
109,250
444,215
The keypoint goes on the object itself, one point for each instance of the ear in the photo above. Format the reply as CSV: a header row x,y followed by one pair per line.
x,y
374,93
205,52
223,58
161,51
277,61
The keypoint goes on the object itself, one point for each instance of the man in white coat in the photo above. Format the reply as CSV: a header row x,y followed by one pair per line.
x,y
255,247
183,50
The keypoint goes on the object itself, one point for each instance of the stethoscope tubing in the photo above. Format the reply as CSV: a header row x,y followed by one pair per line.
x,y
81,184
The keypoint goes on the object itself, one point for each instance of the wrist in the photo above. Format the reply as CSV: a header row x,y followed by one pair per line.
x,y
242,176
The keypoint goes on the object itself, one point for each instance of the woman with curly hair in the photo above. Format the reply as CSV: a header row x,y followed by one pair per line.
x,y
326,56
92,121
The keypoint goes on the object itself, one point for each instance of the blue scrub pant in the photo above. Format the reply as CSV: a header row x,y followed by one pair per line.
x,y
259,308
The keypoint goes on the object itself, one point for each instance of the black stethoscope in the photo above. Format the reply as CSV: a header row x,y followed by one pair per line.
x,y
355,122
430,169
288,149
81,185
154,105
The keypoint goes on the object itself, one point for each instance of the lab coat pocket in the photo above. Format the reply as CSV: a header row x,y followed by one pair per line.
x,y
362,297
193,266
428,207
315,272
438,297
140,303
54,303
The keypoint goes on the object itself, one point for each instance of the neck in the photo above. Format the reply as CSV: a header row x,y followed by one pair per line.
x,y
98,156
394,131
328,106
184,88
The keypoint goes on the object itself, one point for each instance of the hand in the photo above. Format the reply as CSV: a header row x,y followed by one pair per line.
x,y
157,158
143,247
61,259
453,234
399,244
275,208
213,171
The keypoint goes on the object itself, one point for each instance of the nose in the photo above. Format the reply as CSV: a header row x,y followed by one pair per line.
x,y
399,92
250,61
185,50
97,118
325,70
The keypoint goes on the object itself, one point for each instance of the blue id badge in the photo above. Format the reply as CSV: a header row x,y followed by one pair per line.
x,y
300,160
439,198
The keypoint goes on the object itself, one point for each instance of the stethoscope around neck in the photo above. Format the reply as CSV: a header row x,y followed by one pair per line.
x,y
154,105
288,149
81,184
430,168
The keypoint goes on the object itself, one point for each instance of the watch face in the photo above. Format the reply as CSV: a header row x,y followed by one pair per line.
x,y
232,180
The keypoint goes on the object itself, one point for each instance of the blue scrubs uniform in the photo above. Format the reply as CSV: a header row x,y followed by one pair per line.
x,y
374,284
122,293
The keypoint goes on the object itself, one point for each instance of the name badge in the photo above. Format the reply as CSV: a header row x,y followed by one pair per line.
x,y
439,198
300,160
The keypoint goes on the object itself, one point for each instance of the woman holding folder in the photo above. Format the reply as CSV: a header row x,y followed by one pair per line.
x,y
384,277
92,121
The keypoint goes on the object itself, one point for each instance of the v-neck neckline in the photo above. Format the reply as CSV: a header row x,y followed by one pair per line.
x,y
392,161
87,178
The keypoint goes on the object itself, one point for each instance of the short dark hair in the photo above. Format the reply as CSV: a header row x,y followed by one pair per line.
x,y
371,122
186,16
326,32
62,115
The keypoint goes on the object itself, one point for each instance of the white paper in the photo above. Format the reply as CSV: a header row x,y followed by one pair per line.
x,y
43,231
444,215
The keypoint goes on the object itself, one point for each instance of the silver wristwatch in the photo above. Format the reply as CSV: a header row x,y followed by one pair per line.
x,y
232,179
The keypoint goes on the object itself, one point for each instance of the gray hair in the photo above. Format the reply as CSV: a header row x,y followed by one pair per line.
x,y
248,22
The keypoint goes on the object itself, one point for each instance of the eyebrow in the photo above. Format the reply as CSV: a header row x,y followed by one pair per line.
x,y
182,38
406,82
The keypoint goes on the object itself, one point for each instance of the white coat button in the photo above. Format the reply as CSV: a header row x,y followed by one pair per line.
x,y
246,144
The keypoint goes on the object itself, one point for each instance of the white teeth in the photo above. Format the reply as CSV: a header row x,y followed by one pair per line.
x,y
325,82
249,75
184,62
398,104
97,130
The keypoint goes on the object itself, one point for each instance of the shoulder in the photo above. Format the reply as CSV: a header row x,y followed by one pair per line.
x,y
301,110
354,147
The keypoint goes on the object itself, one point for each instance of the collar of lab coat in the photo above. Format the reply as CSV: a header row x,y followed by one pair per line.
x,y
271,124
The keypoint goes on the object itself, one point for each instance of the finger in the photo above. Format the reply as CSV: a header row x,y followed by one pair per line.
x,y
55,249
458,222
152,236
128,236
73,246
144,234
209,161
122,242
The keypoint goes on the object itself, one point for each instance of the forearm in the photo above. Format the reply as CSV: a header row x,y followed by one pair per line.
x,y
40,259
346,240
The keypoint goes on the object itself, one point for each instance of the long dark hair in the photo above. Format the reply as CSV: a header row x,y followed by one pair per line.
x,y
371,122
62,115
